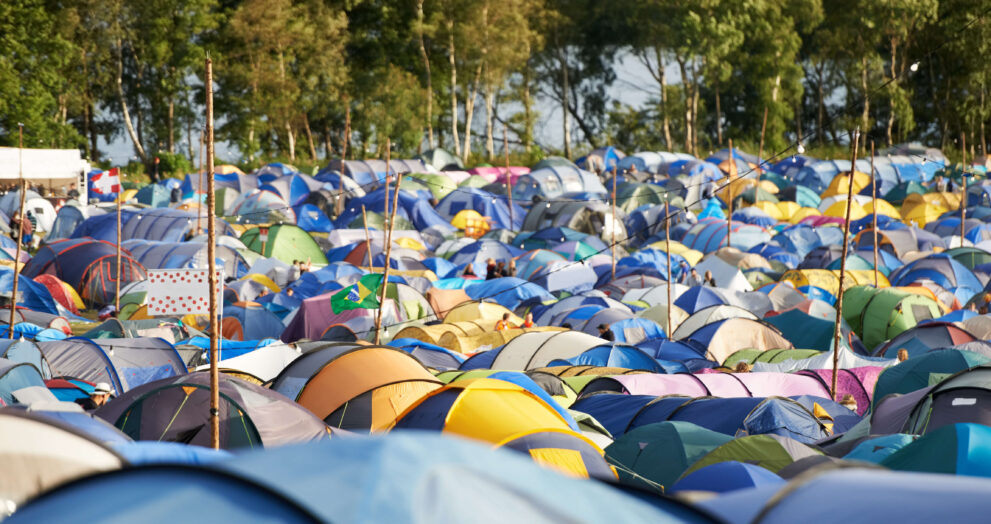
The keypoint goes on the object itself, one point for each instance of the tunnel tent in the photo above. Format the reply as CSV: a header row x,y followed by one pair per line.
x,y
15,376
285,242
535,350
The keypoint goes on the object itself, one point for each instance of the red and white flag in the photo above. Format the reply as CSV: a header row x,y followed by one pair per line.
x,y
177,292
106,182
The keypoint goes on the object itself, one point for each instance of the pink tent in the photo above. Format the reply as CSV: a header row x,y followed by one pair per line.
x,y
498,174
817,221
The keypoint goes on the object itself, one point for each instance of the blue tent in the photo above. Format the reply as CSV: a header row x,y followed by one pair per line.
x,y
311,219
430,355
485,203
614,355
31,294
556,181
154,195
944,271
507,291
614,412
479,251
723,477
878,448
256,322
698,297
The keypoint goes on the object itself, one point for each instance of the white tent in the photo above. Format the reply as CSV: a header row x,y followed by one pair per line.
x,y
726,276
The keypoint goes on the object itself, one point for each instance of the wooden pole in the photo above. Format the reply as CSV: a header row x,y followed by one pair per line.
x,y
117,284
388,174
837,329
347,133
760,157
388,256
20,225
368,237
211,251
199,191
667,247
874,218
963,198
612,243
729,193
509,185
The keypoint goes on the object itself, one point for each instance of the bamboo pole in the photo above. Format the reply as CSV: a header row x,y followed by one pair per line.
x,y
20,225
368,237
874,218
612,220
729,193
760,157
837,329
211,249
509,185
199,191
117,283
667,247
388,257
388,174
963,198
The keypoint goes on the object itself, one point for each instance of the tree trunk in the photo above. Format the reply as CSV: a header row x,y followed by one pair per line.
x,y
891,99
309,137
528,107
489,141
171,125
719,116
665,120
426,66
454,87
123,105
820,104
685,85
470,112
328,149
291,142
865,116
984,143
566,120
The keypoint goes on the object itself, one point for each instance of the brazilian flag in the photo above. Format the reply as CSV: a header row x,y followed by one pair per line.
x,y
362,294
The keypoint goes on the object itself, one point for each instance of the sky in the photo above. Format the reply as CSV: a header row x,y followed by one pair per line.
x,y
633,86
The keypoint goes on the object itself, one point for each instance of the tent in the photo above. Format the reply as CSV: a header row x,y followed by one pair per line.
x,y
89,266
355,387
285,242
724,477
660,452
124,363
15,376
175,410
771,452
956,449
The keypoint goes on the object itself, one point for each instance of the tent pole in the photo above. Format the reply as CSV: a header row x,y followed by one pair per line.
x,y
874,219
20,225
729,195
368,238
388,254
837,329
388,175
760,157
963,198
667,247
211,248
612,225
509,185
199,191
117,287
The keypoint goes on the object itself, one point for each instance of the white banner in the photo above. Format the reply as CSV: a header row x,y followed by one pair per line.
x,y
177,292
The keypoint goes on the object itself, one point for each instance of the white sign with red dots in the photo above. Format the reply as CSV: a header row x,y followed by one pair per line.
x,y
177,292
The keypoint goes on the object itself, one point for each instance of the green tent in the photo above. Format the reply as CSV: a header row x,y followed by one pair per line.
x,y
900,192
285,242
474,181
377,221
770,356
438,185
890,312
752,194
661,452
776,179
771,452
854,301
631,195
969,256
440,158
921,371
554,161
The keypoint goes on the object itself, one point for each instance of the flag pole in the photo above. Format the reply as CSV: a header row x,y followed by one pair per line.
x,y
729,193
388,254
667,247
117,287
874,219
963,198
368,237
509,186
211,250
20,225
837,329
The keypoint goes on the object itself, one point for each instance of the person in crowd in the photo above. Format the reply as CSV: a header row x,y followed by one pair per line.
x,y
511,268
503,324
605,333
468,273
528,320
491,270
902,355
501,269
693,279
742,367
849,402
708,280
97,398
294,272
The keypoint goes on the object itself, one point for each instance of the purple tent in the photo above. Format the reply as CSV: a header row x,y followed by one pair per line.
x,y
892,412
315,316
858,382
782,385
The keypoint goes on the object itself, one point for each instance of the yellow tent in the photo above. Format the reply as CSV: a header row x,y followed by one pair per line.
x,y
829,279
483,311
787,208
883,208
128,194
263,280
410,243
838,209
802,213
227,169
841,184
677,248
922,214
772,209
